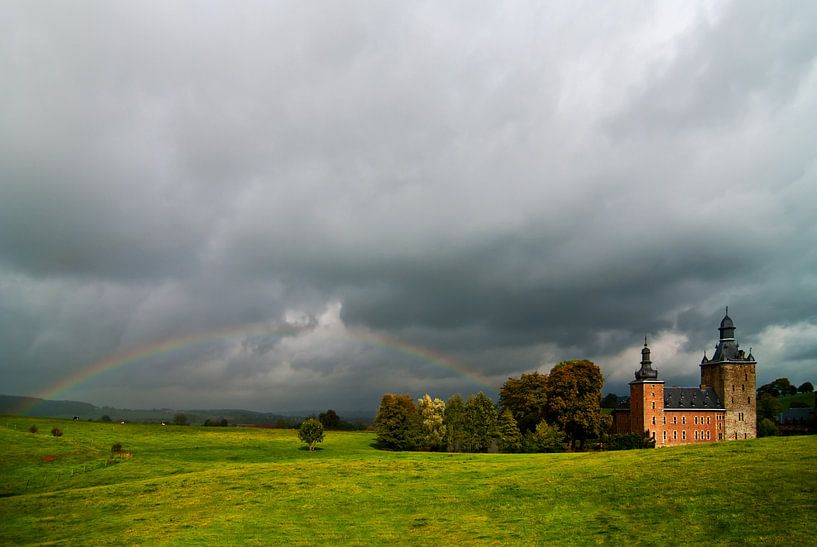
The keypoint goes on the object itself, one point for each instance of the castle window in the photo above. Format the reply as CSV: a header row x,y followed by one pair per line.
x,y
696,420
665,435
665,420
696,435
675,419
684,435
683,420
707,420
653,420
674,435
653,405
748,400
707,435
743,387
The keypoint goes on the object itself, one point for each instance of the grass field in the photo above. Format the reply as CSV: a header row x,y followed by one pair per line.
x,y
183,485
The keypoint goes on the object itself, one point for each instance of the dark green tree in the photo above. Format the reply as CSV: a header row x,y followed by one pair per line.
x,y
766,428
768,407
311,432
806,387
105,418
454,420
397,423
510,438
526,398
480,424
181,419
610,401
574,399
329,419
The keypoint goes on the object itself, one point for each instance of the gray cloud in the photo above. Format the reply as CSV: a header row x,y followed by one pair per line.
x,y
499,186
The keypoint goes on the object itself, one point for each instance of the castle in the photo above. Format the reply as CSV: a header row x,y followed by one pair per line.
x,y
721,408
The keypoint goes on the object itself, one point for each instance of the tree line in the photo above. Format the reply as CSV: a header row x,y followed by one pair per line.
x,y
537,412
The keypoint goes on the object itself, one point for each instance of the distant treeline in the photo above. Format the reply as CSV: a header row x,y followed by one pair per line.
x,y
536,413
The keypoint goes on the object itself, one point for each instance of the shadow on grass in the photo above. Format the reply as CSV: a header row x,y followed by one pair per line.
x,y
306,449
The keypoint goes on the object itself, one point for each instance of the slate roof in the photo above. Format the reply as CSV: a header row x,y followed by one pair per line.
x,y
685,398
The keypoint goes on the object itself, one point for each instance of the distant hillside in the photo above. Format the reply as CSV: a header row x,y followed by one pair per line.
x,y
11,404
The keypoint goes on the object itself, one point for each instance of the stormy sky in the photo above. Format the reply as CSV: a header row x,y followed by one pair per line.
x,y
321,202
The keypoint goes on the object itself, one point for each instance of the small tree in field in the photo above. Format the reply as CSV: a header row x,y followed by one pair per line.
x,y
311,432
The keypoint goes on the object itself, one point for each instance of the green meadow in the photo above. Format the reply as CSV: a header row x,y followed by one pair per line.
x,y
183,485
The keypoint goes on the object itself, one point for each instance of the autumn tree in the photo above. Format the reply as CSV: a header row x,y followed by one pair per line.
x,y
397,423
526,398
574,399
311,432
454,420
432,422
480,424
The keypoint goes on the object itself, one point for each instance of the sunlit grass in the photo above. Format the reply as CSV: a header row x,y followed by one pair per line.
x,y
230,485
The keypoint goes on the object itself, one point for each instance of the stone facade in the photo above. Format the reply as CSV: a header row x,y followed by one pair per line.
x,y
721,408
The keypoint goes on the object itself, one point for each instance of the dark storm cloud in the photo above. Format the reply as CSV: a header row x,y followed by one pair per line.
x,y
506,186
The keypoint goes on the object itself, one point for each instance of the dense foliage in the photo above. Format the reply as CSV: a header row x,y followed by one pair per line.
x,y
536,413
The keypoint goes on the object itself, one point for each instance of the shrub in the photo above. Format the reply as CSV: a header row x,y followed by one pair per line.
x,y
33,429
57,432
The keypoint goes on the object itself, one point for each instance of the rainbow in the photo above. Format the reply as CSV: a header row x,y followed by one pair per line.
x,y
169,345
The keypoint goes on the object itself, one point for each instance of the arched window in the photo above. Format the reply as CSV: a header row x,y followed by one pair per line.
x,y
696,435
683,420
684,435
696,420
707,420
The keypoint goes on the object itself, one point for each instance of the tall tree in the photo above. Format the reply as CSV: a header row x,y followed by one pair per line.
x,y
526,398
806,387
397,423
454,418
510,439
480,423
432,425
574,399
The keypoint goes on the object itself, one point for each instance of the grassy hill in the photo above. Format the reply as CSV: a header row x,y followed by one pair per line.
x,y
232,485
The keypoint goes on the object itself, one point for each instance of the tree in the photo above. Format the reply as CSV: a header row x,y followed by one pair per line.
x,y
610,401
105,418
768,407
480,430
510,439
767,428
311,432
329,419
574,399
806,387
432,422
544,438
180,419
454,420
397,423
526,398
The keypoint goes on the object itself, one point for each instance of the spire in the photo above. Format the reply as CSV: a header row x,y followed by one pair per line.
x,y
646,371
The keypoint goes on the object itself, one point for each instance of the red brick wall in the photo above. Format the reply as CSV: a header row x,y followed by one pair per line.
x,y
692,426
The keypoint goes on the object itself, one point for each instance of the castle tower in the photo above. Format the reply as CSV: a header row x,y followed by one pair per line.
x,y
731,373
647,399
